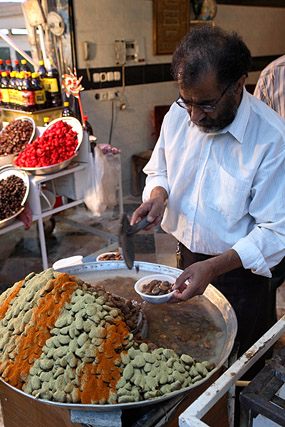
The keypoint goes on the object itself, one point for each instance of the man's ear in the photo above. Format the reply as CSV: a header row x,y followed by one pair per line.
x,y
240,84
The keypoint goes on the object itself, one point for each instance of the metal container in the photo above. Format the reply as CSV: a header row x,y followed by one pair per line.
x,y
95,271
5,172
46,170
7,159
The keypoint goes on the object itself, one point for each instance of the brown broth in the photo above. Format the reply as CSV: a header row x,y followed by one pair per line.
x,y
194,327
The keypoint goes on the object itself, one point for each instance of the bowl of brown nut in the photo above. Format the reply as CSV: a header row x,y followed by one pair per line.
x,y
155,288
110,256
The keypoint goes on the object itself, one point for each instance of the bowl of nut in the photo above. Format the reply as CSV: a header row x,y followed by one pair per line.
x,y
14,190
110,256
156,288
14,138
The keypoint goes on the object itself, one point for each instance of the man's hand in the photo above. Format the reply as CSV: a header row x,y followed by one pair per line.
x,y
193,281
153,208
195,278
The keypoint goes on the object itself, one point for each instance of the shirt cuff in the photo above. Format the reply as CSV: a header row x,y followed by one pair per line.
x,y
154,182
251,257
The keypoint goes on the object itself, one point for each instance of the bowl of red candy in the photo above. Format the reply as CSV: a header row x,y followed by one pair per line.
x,y
54,149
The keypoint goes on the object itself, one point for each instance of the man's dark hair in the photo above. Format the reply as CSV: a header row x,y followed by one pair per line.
x,y
208,48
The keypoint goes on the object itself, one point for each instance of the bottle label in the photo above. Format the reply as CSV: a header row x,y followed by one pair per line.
x,y
51,84
28,98
5,95
17,100
40,97
12,96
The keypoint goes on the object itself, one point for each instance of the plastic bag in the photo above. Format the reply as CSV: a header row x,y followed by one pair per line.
x,y
102,182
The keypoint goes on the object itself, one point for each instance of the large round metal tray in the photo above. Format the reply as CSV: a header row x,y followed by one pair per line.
x,y
5,172
96,271
7,159
46,170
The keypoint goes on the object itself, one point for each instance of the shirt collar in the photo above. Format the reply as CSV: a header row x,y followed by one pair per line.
x,y
238,126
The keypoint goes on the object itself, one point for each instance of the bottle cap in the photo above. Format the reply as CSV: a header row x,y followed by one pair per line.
x,y
4,74
34,75
16,61
66,104
41,62
8,61
85,118
46,119
23,61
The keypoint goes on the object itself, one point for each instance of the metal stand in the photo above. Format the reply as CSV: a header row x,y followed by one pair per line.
x,y
260,396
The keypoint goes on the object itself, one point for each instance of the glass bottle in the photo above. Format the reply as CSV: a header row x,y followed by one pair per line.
x,y
0,88
8,66
40,95
46,121
66,111
19,81
5,89
42,69
87,126
13,90
17,66
28,94
52,86
24,66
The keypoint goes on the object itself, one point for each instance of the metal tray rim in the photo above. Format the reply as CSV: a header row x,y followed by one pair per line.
x,y
146,266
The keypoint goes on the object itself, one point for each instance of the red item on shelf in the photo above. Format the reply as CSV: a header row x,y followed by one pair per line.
x,y
57,144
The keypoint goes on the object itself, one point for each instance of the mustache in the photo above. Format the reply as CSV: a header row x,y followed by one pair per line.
x,y
204,122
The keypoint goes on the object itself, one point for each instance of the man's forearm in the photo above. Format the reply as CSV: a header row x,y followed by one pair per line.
x,y
228,261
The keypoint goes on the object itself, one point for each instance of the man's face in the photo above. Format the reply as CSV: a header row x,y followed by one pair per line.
x,y
208,92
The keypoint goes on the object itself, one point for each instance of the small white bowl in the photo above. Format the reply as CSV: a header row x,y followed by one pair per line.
x,y
154,299
99,257
67,262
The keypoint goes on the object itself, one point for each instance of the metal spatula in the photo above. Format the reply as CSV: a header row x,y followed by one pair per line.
x,y
126,238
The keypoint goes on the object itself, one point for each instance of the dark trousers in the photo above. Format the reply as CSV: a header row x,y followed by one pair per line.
x,y
249,294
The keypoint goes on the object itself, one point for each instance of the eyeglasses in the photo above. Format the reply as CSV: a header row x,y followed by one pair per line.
x,y
206,108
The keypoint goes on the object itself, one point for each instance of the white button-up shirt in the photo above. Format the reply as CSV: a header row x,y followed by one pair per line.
x,y
225,189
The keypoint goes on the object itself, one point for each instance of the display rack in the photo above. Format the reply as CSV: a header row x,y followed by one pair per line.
x,y
76,170
8,114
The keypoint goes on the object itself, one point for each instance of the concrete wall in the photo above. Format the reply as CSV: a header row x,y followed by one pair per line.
x,y
100,22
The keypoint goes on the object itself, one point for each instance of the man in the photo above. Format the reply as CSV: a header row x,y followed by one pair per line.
x,y
270,86
270,89
219,168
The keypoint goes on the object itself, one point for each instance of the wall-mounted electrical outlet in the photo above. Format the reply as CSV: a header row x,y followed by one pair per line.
x,y
110,76
101,96
96,77
120,52
103,77
117,75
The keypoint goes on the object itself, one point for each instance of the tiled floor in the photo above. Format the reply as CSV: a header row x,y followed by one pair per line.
x,y
20,251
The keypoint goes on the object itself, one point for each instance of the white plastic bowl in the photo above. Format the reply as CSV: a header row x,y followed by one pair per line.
x,y
154,299
99,257
67,262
